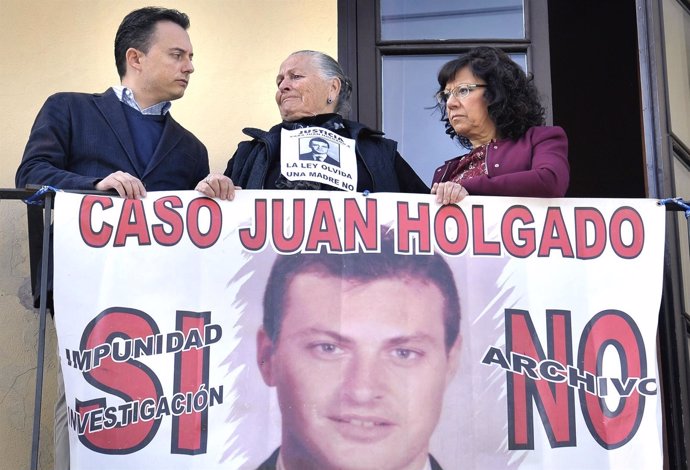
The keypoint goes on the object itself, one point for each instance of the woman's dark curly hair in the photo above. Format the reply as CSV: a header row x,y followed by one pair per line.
x,y
510,94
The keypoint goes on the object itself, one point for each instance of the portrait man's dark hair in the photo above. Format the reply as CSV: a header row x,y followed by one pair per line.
x,y
362,268
137,28
319,139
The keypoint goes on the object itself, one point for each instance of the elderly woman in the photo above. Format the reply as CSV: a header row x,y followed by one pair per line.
x,y
492,108
313,92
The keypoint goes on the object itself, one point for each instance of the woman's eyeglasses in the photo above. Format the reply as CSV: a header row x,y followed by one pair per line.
x,y
461,92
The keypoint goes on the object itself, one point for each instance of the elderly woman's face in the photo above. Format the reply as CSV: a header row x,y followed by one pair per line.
x,y
469,116
302,91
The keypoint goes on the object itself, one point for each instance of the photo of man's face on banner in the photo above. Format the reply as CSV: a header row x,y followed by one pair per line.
x,y
361,349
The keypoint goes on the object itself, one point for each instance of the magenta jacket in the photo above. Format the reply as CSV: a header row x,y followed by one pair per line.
x,y
536,165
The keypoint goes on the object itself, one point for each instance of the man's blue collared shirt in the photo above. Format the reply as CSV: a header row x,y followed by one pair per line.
x,y
126,95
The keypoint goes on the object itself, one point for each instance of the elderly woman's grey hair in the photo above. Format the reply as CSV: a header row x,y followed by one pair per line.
x,y
330,68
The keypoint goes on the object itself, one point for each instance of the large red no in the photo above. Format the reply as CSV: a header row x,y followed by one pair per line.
x,y
554,399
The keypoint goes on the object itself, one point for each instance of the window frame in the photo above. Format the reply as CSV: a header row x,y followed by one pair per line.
x,y
360,52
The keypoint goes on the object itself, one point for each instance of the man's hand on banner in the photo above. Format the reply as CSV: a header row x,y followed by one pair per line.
x,y
217,185
449,192
126,185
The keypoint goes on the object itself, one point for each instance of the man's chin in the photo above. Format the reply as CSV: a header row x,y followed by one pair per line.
x,y
177,93
173,97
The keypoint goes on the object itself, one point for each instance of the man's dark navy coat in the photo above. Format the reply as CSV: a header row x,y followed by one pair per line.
x,y
79,139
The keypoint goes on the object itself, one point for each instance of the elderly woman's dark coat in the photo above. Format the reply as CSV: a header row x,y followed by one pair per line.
x,y
256,163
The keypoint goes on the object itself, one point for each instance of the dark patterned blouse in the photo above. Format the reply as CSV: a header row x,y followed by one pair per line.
x,y
471,165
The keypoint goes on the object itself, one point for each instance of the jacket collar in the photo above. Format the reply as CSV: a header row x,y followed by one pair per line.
x,y
111,109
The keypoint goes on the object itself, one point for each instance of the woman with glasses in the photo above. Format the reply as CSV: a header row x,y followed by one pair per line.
x,y
491,107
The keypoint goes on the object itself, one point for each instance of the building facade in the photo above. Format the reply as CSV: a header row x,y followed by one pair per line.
x,y
615,75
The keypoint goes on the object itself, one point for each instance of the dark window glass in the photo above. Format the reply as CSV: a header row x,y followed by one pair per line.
x,y
452,19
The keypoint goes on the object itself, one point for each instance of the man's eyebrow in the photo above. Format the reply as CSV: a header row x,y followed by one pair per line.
x,y
337,337
413,338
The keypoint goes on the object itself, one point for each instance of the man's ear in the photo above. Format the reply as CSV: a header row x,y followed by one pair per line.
x,y
134,57
264,356
453,360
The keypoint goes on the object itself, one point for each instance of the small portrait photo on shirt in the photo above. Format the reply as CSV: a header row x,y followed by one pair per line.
x,y
320,150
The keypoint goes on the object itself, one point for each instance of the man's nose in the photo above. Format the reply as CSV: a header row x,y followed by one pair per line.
x,y
188,66
363,380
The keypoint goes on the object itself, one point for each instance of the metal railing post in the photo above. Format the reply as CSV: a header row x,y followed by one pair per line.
x,y
38,397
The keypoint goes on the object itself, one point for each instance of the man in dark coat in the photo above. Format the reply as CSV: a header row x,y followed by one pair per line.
x,y
124,139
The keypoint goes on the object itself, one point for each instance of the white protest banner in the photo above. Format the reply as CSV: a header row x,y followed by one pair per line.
x,y
177,355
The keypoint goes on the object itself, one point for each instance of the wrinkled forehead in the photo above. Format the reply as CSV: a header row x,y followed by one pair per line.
x,y
297,62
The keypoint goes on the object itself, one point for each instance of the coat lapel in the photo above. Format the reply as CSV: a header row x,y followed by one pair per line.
x,y
111,108
172,134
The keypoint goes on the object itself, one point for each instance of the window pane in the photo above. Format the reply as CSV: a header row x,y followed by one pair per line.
x,y
452,19
409,115
677,32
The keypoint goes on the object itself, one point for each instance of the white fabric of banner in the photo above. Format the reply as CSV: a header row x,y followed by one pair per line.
x,y
159,301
